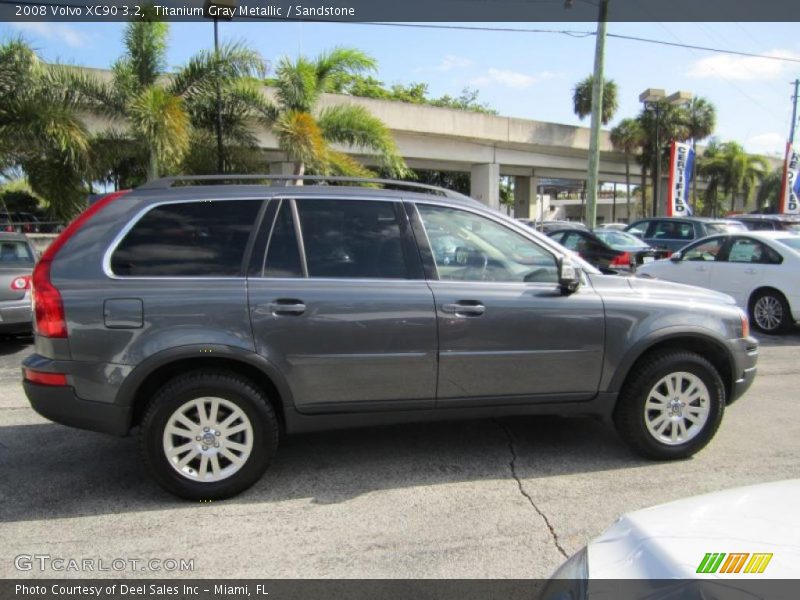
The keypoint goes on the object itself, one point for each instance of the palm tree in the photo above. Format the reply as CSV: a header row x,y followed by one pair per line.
x,y
306,136
582,99
701,118
627,138
734,170
769,191
672,125
41,132
153,104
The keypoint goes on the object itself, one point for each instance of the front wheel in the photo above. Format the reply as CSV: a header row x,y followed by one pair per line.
x,y
672,406
769,312
208,435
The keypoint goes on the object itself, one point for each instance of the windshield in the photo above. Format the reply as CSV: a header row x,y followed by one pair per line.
x,y
619,239
15,253
726,227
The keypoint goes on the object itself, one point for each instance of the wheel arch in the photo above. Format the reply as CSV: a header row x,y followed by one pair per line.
x,y
764,288
145,379
708,346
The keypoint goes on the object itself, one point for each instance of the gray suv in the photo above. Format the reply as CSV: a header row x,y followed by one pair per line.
x,y
216,319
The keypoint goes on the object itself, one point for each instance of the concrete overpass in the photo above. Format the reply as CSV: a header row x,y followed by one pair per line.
x,y
486,146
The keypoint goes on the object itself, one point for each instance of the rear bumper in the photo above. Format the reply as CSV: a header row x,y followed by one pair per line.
x,y
745,357
16,316
60,404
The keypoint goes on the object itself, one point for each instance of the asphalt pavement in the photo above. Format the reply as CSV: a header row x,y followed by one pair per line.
x,y
475,499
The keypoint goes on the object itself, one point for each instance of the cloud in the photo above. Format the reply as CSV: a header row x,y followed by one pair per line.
x,y
743,68
512,79
54,31
767,143
448,63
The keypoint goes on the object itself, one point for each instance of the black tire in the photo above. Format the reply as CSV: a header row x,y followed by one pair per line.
x,y
629,413
232,388
776,300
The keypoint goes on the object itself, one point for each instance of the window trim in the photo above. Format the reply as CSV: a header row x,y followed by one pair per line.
x,y
133,221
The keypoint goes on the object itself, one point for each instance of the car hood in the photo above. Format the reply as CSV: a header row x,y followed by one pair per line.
x,y
657,288
671,540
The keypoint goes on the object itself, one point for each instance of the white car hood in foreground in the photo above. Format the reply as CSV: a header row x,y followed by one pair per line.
x,y
670,540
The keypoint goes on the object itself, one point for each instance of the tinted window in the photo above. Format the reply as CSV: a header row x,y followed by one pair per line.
x,y
481,250
283,255
15,253
352,238
672,230
188,239
639,228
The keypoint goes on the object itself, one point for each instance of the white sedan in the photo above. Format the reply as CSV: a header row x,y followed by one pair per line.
x,y
760,269
743,536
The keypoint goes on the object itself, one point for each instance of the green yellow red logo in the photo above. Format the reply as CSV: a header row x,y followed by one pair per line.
x,y
734,562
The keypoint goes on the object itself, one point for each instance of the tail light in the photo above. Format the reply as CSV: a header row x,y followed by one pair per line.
x,y
43,378
48,308
21,283
621,260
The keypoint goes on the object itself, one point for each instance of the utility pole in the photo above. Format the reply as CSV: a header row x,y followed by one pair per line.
x,y
597,110
786,194
796,99
220,161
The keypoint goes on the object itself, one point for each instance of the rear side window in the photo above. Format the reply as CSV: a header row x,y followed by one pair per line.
x,y
190,239
672,230
352,239
15,253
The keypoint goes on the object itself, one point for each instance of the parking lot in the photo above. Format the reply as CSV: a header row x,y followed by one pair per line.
x,y
499,499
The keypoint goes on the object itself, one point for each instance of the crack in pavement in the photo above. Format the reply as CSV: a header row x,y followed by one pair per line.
x,y
513,466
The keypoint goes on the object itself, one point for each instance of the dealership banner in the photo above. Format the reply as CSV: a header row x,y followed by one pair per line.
x,y
681,159
790,188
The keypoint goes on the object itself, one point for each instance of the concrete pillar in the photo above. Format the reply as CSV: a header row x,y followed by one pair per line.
x,y
484,184
528,203
281,168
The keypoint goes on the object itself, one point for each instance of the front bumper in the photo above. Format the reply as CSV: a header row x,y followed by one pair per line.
x,y
61,405
745,357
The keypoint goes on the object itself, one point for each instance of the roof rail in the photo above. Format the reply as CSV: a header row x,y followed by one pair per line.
x,y
168,182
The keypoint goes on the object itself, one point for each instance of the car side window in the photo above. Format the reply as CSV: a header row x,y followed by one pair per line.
x,y
187,239
352,239
708,250
639,229
283,254
483,250
672,230
745,250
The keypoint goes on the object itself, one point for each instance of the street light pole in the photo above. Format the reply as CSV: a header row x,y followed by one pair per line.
x,y
220,161
597,110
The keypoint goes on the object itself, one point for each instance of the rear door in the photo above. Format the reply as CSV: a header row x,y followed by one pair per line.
x,y
339,304
506,333
696,264
743,267
670,234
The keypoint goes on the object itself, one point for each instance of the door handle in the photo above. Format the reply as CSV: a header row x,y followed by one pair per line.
x,y
750,271
287,307
465,308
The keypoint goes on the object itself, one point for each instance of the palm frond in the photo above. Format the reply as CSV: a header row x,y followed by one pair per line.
x,y
159,118
301,138
340,61
234,61
355,126
297,84
145,43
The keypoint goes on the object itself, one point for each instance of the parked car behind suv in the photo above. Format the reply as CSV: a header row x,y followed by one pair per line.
x,y
218,318
790,223
17,257
673,233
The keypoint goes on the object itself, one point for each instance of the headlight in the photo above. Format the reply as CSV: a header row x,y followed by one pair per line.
x,y
745,323
569,582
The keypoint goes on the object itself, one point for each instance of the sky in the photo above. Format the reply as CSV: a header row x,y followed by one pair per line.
x,y
528,75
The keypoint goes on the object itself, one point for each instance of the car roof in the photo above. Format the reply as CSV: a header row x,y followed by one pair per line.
x,y
249,191
12,236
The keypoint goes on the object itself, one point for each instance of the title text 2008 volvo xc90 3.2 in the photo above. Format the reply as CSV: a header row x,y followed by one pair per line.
x,y
216,319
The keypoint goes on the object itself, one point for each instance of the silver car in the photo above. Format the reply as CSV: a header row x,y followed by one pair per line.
x,y
17,258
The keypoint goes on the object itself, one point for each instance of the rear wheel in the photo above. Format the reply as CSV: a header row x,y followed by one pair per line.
x,y
769,312
672,406
208,436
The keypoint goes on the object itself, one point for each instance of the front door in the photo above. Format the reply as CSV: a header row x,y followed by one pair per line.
x,y
339,304
506,333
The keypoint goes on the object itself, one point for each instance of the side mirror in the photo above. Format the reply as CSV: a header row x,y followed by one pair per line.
x,y
569,276
676,256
